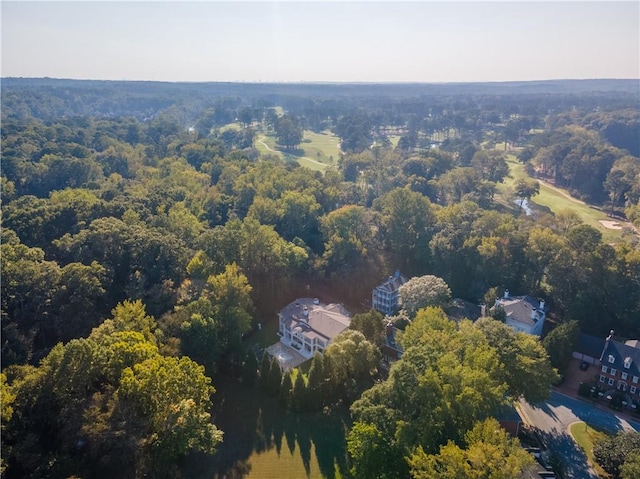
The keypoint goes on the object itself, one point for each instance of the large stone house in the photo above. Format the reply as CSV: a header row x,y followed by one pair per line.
x,y
309,326
523,313
384,297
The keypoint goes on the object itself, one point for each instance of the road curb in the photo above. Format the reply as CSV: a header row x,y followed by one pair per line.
x,y
623,417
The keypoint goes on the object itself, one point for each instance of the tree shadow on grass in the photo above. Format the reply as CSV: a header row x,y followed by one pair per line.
x,y
571,459
254,422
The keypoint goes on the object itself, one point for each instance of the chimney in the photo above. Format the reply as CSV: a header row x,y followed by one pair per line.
x,y
389,329
533,313
305,314
606,344
542,304
506,294
483,310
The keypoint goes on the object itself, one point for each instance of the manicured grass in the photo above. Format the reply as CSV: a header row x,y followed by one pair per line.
x,y
231,126
394,140
319,150
555,200
264,440
586,436
321,146
261,140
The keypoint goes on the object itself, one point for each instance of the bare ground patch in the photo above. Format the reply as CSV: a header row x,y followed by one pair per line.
x,y
612,225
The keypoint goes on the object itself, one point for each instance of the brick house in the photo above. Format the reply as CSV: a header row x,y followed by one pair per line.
x,y
620,367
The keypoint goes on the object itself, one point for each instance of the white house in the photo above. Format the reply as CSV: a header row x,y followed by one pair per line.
x,y
523,313
309,326
384,298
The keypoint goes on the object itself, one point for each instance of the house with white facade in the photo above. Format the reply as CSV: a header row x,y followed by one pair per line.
x,y
384,297
523,313
309,326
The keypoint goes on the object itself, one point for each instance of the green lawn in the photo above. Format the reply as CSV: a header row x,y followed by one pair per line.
x,y
394,140
263,440
231,126
553,199
318,150
586,436
265,144
322,147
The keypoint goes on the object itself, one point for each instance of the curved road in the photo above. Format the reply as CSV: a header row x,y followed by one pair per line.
x,y
554,417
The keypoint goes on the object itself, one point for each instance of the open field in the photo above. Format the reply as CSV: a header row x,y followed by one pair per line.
x,y
585,436
394,140
231,126
319,150
263,440
556,199
321,146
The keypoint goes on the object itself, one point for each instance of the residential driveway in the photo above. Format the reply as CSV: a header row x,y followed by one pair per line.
x,y
553,419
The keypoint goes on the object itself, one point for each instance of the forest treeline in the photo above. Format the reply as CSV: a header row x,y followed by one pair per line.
x,y
146,240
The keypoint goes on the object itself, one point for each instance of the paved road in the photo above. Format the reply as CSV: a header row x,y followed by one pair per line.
x,y
553,418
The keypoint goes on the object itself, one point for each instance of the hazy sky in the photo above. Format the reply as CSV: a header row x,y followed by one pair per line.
x,y
321,41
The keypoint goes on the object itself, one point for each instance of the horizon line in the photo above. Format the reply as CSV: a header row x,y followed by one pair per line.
x,y
320,82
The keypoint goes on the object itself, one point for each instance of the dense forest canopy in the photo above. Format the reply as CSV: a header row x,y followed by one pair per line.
x,y
144,233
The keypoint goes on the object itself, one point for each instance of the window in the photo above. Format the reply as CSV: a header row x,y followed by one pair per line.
x,y
612,359
611,382
604,369
632,389
635,379
613,372
601,379
627,362
624,375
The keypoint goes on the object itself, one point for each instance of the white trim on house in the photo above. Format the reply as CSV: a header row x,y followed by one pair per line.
x,y
309,326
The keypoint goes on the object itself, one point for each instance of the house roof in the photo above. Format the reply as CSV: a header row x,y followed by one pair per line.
x,y
519,308
392,283
622,354
323,321
391,338
589,345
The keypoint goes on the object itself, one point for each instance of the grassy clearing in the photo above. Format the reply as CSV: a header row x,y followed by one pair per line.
x,y
263,440
266,145
322,147
319,150
556,200
394,140
586,436
231,126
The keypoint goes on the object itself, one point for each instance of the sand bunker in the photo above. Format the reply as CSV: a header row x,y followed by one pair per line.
x,y
612,225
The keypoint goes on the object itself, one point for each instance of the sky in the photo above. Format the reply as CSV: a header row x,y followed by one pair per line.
x,y
362,41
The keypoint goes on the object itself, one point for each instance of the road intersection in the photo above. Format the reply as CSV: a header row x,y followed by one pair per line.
x,y
553,418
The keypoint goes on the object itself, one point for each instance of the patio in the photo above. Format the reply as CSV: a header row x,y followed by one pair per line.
x,y
288,357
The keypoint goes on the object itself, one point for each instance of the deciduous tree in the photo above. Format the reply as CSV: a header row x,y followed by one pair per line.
x,y
423,291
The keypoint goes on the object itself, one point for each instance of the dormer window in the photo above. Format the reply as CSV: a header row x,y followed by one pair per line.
x,y
627,362
612,359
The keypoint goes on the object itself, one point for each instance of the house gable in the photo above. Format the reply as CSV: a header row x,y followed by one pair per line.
x,y
384,297
523,313
309,326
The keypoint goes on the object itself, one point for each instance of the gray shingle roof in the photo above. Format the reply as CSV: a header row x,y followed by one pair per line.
x,y
623,353
589,345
